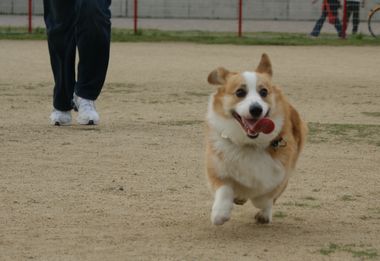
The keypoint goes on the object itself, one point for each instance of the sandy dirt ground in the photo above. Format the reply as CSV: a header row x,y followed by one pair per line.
x,y
133,188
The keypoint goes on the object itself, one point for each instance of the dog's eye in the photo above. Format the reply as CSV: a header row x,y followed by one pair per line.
x,y
241,93
263,92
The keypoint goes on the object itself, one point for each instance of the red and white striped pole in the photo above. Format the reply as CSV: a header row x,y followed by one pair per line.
x,y
240,17
135,16
30,16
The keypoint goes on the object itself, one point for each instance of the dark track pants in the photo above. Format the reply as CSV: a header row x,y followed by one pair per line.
x,y
318,25
353,8
82,24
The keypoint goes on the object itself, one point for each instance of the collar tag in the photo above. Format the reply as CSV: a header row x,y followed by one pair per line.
x,y
277,143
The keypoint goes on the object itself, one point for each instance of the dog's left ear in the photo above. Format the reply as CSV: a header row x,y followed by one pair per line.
x,y
265,66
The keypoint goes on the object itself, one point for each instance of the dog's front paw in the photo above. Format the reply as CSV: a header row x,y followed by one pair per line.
x,y
263,218
222,207
220,216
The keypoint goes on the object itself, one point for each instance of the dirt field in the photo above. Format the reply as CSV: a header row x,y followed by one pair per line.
x,y
133,188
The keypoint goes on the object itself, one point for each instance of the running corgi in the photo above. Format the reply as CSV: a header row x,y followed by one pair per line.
x,y
254,138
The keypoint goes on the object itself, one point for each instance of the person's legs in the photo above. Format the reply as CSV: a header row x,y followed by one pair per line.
x,y
334,5
93,35
355,17
338,27
349,11
59,19
318,25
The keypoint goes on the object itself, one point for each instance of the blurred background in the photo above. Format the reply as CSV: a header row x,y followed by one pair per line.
x,y
295,16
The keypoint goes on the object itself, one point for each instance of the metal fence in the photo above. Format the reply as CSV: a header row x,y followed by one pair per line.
x,y
207,15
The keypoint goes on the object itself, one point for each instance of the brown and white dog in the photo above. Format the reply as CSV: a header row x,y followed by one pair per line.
x,y
245,161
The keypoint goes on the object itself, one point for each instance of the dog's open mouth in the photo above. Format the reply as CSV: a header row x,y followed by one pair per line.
x,y
253,127
248,125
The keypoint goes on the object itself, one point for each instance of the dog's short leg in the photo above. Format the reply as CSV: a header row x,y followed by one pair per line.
x,y
265,205
222,207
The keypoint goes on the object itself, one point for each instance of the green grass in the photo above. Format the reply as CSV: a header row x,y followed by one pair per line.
x,y
262,38
197,94
347,198
21,33
301,205
360,251
372,114
375,210
372,214
180,123
280,214
328,250
354,133
309,198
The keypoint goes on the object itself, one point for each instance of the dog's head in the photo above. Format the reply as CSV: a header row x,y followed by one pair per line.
x,y
242,100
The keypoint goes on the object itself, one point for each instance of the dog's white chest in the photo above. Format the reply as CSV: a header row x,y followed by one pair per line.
x,y
253,168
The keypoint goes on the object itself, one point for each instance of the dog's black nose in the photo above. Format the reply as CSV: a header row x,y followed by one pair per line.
x,y
255,110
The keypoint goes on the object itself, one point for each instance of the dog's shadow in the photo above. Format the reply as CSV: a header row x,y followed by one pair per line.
x,y
246,229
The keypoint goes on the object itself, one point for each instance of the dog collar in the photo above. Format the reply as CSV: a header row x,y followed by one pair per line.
x,y
277,143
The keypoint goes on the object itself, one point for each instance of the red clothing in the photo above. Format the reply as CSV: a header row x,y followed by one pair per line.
x,y
331,10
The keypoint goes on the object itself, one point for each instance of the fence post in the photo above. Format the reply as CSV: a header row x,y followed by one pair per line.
x,y
30,16
240,17
135,16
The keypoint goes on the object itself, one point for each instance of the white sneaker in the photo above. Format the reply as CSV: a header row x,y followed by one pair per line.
x,y
59,118
87,114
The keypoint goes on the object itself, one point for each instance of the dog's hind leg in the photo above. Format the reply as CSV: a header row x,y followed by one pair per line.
x,y
265,205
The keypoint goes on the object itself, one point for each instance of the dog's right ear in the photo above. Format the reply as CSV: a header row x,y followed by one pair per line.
x,y
218,76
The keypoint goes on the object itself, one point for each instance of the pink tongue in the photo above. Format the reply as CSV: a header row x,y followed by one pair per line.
x,y
264,125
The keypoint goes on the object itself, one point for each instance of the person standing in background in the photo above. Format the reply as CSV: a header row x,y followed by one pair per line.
x,y
330,10
353,7
86,25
